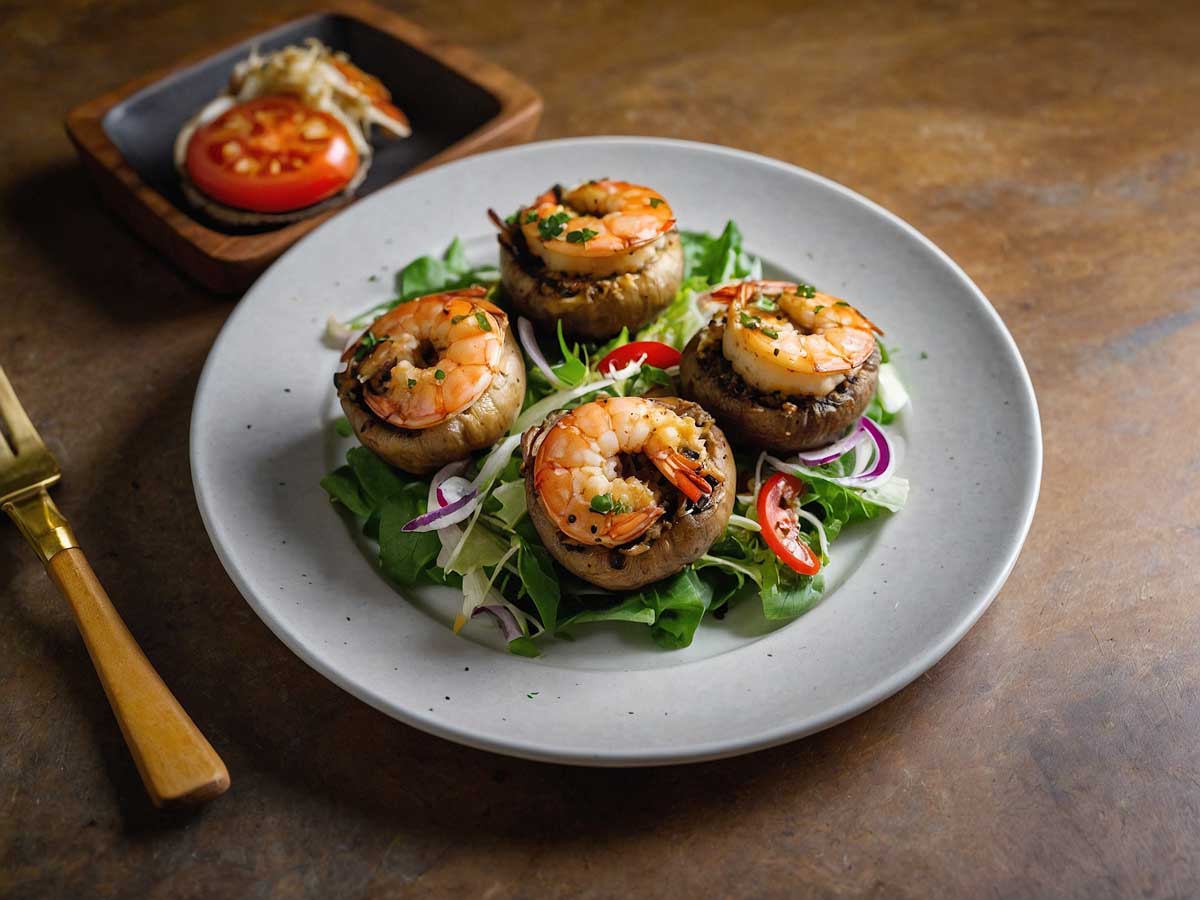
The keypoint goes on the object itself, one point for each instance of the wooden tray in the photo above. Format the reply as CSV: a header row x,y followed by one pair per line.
x,y
458,103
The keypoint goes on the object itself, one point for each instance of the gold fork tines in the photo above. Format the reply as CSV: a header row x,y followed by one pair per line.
x,y
27,468
176,762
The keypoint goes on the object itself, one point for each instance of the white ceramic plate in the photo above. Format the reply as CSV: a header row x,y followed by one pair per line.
x,y
901,592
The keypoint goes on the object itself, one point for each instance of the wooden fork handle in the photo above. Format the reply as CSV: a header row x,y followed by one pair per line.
x,y
176,762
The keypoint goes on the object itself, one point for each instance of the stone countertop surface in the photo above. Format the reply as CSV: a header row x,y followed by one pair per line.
x,y
1051,148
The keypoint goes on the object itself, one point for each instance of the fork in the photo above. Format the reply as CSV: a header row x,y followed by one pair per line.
x,y
176,762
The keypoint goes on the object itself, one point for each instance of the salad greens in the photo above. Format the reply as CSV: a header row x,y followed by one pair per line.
x,y
496,557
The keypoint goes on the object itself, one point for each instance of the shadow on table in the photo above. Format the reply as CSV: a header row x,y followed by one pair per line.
x,y
64,220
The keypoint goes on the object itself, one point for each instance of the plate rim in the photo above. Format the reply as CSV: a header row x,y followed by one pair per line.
x,y
693,752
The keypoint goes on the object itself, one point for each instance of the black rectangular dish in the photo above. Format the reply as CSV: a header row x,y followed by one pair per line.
x,y
457,104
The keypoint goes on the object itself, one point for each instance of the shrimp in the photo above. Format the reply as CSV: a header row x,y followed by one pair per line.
x,y
579,475
598,228
431,358
790,338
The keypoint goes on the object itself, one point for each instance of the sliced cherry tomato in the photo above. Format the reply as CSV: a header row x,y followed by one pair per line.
x,y
781,527
271,154
657,354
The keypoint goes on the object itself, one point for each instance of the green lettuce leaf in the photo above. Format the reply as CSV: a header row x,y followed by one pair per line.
x,y
510,497
717,259
787,594
631,609
343,486
679,321
431,274
679,603
379,481
540,582
405,555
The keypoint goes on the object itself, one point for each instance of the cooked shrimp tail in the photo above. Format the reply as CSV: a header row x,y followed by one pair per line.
x,y
685,474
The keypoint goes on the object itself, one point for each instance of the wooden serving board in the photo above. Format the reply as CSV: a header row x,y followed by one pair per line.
x,y
459,104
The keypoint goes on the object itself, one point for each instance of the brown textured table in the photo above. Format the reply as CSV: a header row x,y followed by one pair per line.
x,y
1053,150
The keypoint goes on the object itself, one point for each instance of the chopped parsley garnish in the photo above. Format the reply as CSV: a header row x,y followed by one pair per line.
x,y
749,321
656,202
818,308
412,382
604,503
770,304
456,319
582,236
552,226
482,319
924,355
806,290
366,345
770,332
841,303
439,375
531,216
511,219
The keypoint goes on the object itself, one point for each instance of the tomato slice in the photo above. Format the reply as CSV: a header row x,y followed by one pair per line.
x,y
657,354
271,154
781,527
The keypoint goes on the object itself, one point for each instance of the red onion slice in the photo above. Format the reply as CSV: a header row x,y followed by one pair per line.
x,y
864,452
509,626
450,514
881,469
452,489
837,449
885,460
433,501
529,342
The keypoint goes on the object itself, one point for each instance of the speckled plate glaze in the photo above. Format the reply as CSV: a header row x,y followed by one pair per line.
x,y
902,591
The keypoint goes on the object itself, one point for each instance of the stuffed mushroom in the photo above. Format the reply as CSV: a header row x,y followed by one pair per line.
x,y
433,380
625,491
785,368
598,258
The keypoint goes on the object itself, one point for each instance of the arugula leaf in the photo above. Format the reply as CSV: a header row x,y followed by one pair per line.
x,y
540,582
404,555
342,485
